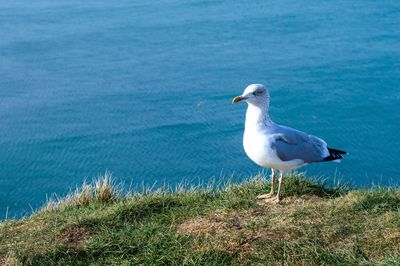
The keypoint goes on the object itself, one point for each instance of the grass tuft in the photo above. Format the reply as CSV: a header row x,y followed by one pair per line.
x,y
104,189
101,190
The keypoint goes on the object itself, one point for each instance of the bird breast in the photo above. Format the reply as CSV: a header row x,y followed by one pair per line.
x,y
258,147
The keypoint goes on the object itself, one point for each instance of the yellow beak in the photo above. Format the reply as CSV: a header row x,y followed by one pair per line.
x,y
237,99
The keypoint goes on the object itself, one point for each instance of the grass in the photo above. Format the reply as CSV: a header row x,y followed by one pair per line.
x,y
315,225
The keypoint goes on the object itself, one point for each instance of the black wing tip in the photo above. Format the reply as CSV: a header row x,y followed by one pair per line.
x,y
335,151
334,154
332,158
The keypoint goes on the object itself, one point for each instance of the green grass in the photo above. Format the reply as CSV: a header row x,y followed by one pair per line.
x,y
314,225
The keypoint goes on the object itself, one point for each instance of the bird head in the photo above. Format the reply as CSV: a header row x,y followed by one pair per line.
x,y
256,94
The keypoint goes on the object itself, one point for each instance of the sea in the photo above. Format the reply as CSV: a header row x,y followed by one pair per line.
x,y
143,90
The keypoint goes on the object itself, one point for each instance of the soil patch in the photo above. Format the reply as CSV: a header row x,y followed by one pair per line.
x,y
74,236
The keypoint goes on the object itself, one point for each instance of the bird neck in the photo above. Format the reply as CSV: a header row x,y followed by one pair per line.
x,y
257,116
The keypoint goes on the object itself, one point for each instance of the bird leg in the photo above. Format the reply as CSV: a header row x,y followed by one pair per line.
x,y
271,194
277,198
278,195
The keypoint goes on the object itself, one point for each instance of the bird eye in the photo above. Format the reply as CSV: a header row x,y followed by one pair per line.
x,y
257,93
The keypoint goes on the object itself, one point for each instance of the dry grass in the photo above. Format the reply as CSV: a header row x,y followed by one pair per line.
x,y
4,259
100,190
233,231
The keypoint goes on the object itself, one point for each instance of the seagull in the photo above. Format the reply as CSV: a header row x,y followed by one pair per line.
x,y
278,147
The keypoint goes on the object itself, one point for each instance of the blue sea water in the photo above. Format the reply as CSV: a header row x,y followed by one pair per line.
x,y
143,89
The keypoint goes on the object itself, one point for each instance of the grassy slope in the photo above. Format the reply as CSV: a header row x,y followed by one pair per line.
x,y
313,226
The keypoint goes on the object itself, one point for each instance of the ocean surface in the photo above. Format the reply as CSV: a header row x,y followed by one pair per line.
x,y
143,89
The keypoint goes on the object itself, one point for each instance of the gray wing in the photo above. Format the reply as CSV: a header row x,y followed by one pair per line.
x,y
291,144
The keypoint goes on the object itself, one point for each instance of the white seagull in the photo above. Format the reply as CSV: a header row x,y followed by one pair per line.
x,y
278,147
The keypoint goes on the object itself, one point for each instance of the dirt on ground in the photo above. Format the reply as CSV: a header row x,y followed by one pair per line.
x,y
74,236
